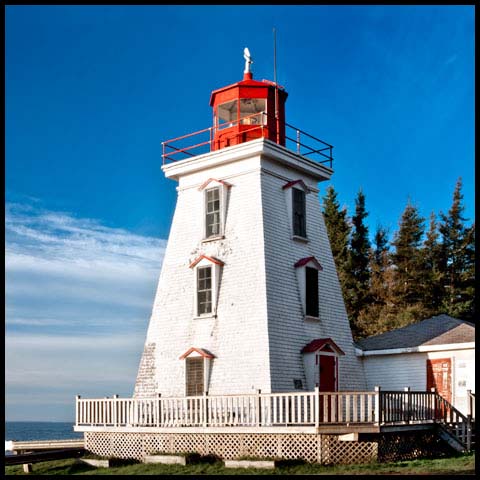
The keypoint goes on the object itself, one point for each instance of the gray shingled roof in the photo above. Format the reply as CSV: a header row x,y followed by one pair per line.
x,y
437,330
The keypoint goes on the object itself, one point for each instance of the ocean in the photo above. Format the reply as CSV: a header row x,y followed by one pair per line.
x,y
22,431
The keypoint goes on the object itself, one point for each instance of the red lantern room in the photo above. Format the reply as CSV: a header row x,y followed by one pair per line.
x,y
247,110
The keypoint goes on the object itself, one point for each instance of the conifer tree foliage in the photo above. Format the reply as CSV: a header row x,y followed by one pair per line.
x,y
415,276
338,230
434,276
457,259
410,268
357,283
378,314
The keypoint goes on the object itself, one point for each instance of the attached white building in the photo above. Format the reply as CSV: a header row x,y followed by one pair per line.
x,y
438,352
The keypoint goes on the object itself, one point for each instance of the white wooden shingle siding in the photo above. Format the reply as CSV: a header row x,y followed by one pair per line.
x,y
238,336
288,331
259,330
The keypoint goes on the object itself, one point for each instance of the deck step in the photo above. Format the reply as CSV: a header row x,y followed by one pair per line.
x,y
451,439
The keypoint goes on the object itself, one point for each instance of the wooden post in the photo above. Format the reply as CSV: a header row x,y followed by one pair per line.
x,y
469,403
317,405
159,408
27,468
115,409
406,415
77,409
258,405
104,411
204,408
433,390
469,420
378,406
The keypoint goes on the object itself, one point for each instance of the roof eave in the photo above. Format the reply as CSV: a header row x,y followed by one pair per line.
x,y
418,349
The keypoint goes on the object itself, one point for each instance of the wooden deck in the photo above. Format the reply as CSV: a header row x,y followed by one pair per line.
x,y
276,413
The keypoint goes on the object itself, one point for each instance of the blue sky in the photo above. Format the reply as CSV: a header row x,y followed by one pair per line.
x,y
91,91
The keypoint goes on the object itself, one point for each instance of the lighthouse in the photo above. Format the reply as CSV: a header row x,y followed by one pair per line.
x,y
248,297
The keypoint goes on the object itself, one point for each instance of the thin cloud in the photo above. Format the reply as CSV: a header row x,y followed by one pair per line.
x,y
53,259
78,299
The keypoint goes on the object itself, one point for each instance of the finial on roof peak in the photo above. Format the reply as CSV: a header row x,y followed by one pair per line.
x,y
248,61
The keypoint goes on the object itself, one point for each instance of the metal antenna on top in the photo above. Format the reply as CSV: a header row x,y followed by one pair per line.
x,y
275,81
274,55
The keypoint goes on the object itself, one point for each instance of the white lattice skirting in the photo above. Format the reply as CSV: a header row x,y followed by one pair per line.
x,y
326,449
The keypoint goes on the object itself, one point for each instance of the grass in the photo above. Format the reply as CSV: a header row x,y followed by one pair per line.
x,y
462,464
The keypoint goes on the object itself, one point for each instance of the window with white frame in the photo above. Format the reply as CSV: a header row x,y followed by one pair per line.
x,y
215,198
307,276
204,290
295,196
212,212
207,279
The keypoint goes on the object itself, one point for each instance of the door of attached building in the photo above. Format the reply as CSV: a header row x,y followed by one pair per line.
x,y
327,383
439,375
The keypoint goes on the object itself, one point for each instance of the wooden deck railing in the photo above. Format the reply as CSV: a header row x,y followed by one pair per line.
x,y
471,404
380,407
261,409
407,407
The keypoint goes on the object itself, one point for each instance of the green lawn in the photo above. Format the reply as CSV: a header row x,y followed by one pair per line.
x,y
463,464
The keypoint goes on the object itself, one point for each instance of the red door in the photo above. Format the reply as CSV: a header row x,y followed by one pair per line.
x,y
327,373
439,375
327,383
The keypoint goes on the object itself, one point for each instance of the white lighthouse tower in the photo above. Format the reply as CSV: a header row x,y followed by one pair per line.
x,y
248,297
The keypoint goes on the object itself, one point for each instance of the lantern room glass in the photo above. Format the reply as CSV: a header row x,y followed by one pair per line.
x,y
228,114
251,106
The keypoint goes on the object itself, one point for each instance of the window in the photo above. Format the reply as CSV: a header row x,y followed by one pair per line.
x,y
194,376
299,214
212,212
308,285
253,108
295,197
311,292
215,202
204,290
227,113
206,278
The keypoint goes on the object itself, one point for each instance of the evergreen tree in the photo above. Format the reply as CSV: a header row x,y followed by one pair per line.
x,y
381,246
338,231
468,307
376,315
410,270
380,266
457,258
432,256
358,272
